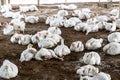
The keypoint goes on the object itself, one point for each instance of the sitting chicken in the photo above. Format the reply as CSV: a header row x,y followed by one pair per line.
x,y
62,6
25,39
18,25
47,43
39,36
55,37
90,28
76,13
112,48
31,19
71,7
33,8
99,76
77,46
62,50
8,14
92,58
114,37
46,54
100,25
68,7
54,30
16,37
102,76
62,13
35,38
5,8
87,70
8,30
110,26
28,8
80,26
93,43
28,54
8,70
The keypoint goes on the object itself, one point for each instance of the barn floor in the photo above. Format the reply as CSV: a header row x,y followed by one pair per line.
x,y
54,69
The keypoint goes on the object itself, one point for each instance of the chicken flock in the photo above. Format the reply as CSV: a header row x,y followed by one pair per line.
x,y
50,38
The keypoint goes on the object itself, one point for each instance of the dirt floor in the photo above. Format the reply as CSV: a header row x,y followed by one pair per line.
x,y
54,69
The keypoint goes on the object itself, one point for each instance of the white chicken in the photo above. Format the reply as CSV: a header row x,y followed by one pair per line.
x,y
8,30
114,37
77,46
28,54
54,20
110,26
92,58
112,48
31,19
69,23
76,13
99,76
8,70
87,70
102,18
25,39
33,8
100,25
10,14
90,28
15,38
102,76
58,22
35,38
18,25
62,6
28,8
54,30
46,54
75,19
80,26
23,8
92,21
114,12
55,37
47,43
62,50
39,36
62,13
93,43
49,18
5,8
71,7
86,13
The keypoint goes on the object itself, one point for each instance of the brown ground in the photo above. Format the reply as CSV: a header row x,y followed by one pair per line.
x,y
54,69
